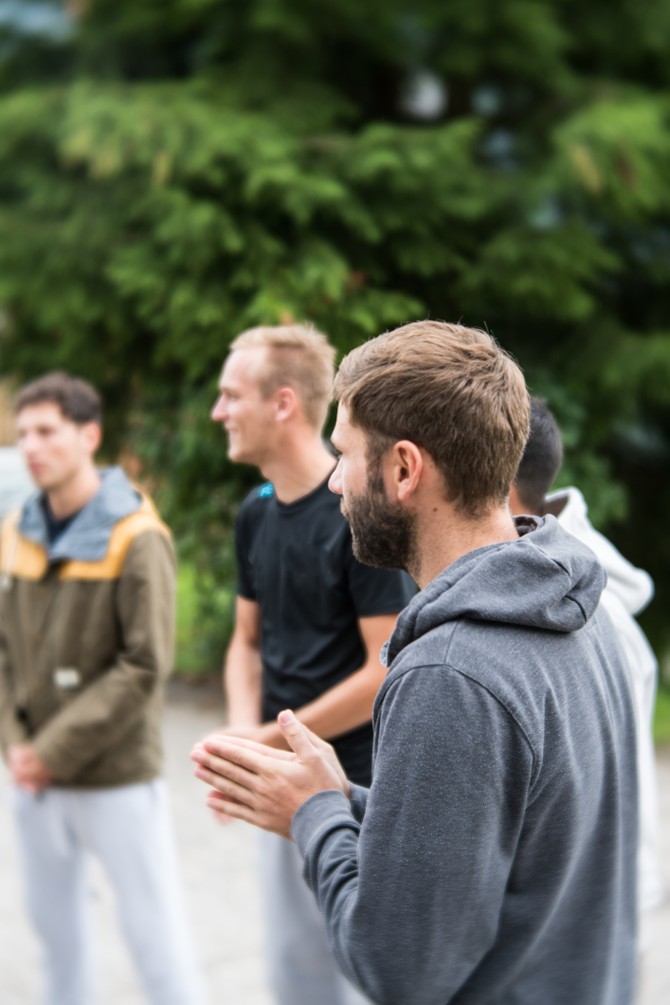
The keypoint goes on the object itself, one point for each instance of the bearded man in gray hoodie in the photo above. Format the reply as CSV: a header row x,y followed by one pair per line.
x,y
492,859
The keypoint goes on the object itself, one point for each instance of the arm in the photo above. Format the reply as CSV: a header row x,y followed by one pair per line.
x,y
634,587
103,711
425,879
348,704
412,899
12,731
358,797
26,767
242,673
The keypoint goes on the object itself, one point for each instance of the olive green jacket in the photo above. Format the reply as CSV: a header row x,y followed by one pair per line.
x,y
86,636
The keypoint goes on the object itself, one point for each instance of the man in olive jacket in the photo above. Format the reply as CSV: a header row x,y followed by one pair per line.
x,y
87,579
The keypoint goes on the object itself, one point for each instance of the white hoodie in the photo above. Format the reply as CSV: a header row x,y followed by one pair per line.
x,y
628,591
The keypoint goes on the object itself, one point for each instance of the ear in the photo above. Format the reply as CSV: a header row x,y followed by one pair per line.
x,y
92,436
406,467
285,403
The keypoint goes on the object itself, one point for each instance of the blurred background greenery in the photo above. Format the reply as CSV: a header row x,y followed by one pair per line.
x,y
173,171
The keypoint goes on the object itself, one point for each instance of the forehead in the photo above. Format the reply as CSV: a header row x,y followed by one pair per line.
x,y
243,367
43,413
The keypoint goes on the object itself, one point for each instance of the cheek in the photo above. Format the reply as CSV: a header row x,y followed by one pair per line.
x,y
353,480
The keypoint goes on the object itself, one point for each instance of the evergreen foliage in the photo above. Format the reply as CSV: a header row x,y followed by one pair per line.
x,y
173,171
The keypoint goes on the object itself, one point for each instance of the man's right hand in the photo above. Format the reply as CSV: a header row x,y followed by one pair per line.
x,y
326,750
264,786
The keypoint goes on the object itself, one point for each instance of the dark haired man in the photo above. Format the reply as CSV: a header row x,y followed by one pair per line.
x,y
86,633
628,591
492,859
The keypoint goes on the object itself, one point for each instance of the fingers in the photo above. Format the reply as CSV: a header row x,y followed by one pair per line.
x,y
260,748
249,755
260,785
221,817
225,776
215,801
225,810
222,735
316,740
295,735
230,791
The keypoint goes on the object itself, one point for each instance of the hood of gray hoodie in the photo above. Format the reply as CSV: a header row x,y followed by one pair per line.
x,y
546,579
86,539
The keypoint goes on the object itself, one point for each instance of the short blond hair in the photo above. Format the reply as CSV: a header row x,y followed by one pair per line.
x,y
300,357
450,390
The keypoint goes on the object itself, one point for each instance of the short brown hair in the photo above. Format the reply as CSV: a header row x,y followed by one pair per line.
x,y
541,459
450,390
299,357
77,399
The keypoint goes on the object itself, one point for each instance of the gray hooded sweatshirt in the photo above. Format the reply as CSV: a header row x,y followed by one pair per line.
x,y
493,857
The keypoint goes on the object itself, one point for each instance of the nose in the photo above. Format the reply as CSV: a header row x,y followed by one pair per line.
x,y
27,444
335,480
219,411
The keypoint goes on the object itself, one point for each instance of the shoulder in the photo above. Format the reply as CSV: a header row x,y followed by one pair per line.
x,y
144,521
632,586
9,524
437,703
474,657
18,555
256,501
255,506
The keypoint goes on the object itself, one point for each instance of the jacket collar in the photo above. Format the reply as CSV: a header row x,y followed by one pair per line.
x,y
86,539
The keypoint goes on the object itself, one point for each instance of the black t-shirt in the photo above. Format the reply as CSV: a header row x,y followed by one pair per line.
x,y
296,562
56,527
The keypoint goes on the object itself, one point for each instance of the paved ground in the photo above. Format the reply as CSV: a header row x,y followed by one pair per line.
x,y
218,866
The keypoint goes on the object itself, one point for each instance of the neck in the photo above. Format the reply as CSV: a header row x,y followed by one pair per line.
x,y
448,536
555,506
299,467
73,496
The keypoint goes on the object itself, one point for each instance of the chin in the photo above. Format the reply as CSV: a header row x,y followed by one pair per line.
x,y
238,456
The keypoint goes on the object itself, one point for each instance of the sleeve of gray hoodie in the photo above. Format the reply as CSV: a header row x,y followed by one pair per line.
x,y
412,897
358,799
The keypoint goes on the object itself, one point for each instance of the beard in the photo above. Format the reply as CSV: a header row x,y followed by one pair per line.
x,y
383,534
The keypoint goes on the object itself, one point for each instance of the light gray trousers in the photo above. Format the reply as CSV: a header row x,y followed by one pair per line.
x,y
301,968
129,830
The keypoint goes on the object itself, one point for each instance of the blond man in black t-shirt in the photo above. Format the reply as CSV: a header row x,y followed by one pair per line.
x,y
310,620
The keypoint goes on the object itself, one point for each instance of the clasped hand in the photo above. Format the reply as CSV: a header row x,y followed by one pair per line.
x,y
28,770
263,785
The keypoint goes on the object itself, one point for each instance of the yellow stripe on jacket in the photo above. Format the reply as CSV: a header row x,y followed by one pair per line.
x,y
26,559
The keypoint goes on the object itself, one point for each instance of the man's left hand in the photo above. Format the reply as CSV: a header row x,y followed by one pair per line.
x,y
27,769
267,733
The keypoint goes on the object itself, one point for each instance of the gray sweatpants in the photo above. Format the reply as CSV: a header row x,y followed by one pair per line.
x,y
128,829
301,968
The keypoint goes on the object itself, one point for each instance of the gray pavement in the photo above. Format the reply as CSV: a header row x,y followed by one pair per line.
x,y
218,866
